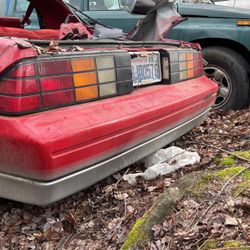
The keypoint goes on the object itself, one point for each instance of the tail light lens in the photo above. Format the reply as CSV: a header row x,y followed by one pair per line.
x,y
42,84
183,65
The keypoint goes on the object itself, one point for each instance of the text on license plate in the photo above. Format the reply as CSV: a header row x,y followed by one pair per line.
x,y
146,68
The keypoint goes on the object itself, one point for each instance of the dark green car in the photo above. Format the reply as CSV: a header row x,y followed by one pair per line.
x,y
223,32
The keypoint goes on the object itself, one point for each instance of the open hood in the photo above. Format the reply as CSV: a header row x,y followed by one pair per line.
x,y
66,24
158,21
53,12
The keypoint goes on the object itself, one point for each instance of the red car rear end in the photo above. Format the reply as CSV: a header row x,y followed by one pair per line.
x,y
72,117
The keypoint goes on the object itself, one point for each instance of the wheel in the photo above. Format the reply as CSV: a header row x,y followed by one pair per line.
x,y
229,70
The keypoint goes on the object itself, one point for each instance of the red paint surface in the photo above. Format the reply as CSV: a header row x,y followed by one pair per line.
x,y
48,144
44,34
11,50
10,22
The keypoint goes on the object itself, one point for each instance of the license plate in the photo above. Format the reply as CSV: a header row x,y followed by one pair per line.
x,y
146,68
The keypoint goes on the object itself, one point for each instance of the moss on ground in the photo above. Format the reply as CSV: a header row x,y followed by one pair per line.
x,y
234,244
244,154
241,188
223,174
136,235
230,172
208,245
231,244
227,161
202,183
233,170
230,160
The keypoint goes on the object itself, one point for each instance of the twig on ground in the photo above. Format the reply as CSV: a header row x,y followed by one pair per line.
x,y
194,219
116,184
66,240
232,248
169,244
111,234
204,243
222,150
245,235
63,242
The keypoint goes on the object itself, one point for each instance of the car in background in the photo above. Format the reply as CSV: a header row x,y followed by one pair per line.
x,y
75,108
244,4
223,32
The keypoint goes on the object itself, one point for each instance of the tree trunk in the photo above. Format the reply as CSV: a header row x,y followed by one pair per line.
x,y
142,232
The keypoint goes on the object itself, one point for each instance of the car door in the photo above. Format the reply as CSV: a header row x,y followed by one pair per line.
x,y
110,12
17,8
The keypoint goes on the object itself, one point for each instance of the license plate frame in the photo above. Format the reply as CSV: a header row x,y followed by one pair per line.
x,y
146,68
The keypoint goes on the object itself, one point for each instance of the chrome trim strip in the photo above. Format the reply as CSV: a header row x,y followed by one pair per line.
x,y
44,193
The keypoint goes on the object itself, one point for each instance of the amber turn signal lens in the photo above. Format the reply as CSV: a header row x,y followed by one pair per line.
x,y
243,22
85,79
190,64
86,93
190,57
83,64
190,73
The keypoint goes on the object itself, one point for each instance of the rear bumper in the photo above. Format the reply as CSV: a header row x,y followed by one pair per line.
x,y
50,155
43,193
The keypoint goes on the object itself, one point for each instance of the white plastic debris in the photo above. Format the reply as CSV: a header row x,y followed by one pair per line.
x,y
163,162
159,156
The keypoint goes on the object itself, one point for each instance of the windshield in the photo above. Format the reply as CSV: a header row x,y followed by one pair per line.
x,y
117,4
196,1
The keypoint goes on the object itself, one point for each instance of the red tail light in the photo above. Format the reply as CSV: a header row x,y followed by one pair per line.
x,y
56,99
10,104
41,84
24,70
19,86
56,83
184,64
53,67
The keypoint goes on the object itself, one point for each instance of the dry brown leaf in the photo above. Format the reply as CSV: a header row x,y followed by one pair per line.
x,y
121,196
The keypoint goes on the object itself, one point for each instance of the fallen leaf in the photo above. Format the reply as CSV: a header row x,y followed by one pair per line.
x,y
231,221
121,196
130,210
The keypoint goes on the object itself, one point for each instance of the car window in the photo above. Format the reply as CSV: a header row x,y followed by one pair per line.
x,y
115,4
18,8
75,3
104,5
236,3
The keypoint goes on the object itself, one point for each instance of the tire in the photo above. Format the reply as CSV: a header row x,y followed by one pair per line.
x,y
229,70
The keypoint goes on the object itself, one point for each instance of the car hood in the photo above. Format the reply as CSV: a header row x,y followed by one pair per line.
x,y
211,10
158,22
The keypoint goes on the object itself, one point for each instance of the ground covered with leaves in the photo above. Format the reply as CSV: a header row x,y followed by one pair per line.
x,y
101,216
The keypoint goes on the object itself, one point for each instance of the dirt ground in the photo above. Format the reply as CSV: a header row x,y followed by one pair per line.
x,y
101,216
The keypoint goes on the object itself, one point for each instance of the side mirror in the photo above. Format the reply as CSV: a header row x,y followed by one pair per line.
x,y
140,7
